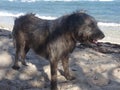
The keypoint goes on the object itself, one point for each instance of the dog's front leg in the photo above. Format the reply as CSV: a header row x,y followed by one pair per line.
x,y
65,63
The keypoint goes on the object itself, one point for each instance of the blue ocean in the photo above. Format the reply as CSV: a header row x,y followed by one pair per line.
x,y
105,11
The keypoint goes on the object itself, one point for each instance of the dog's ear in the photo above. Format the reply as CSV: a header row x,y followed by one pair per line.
x,y
74,20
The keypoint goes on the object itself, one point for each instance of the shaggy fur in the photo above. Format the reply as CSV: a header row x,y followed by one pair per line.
x,y
53,39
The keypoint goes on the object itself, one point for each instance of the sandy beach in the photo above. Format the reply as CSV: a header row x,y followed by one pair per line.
x,y
94,68
112,33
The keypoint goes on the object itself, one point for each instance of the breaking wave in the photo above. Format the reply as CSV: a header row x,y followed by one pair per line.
x,y
7,14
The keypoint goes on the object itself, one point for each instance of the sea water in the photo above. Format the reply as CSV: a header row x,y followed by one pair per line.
x,y
106,12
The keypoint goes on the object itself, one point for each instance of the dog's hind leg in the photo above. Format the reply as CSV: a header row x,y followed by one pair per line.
x,y
16,65
53,65
23,51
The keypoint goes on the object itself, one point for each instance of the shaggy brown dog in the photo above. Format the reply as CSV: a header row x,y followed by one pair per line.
x,y
53,39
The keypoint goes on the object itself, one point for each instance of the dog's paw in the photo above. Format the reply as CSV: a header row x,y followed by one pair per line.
x,y
15,67
70,77
24,63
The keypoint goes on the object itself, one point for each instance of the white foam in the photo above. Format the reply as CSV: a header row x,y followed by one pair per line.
x,y
109,24
78,0
7,14
4,13
61,0
106,0
29,0
46,17
11,0
24,0
101,0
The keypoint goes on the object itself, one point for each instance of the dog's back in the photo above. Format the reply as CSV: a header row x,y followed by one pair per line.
x,y
31,30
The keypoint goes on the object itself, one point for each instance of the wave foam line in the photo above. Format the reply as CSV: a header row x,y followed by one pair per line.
x,y
7,14
109,24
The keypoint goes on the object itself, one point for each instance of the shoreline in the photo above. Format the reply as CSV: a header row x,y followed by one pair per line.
x,y
112,33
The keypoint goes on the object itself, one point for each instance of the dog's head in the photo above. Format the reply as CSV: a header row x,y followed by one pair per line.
x,y
85,28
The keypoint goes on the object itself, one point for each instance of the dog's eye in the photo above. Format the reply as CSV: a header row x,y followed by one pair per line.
x,y
91,24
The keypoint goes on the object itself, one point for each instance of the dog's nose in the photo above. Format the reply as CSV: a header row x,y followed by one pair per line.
x,y
102,36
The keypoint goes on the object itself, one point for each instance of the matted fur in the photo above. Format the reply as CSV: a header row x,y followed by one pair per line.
x,y
53,39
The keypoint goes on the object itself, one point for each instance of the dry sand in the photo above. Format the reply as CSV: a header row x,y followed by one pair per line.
x,y
94,69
